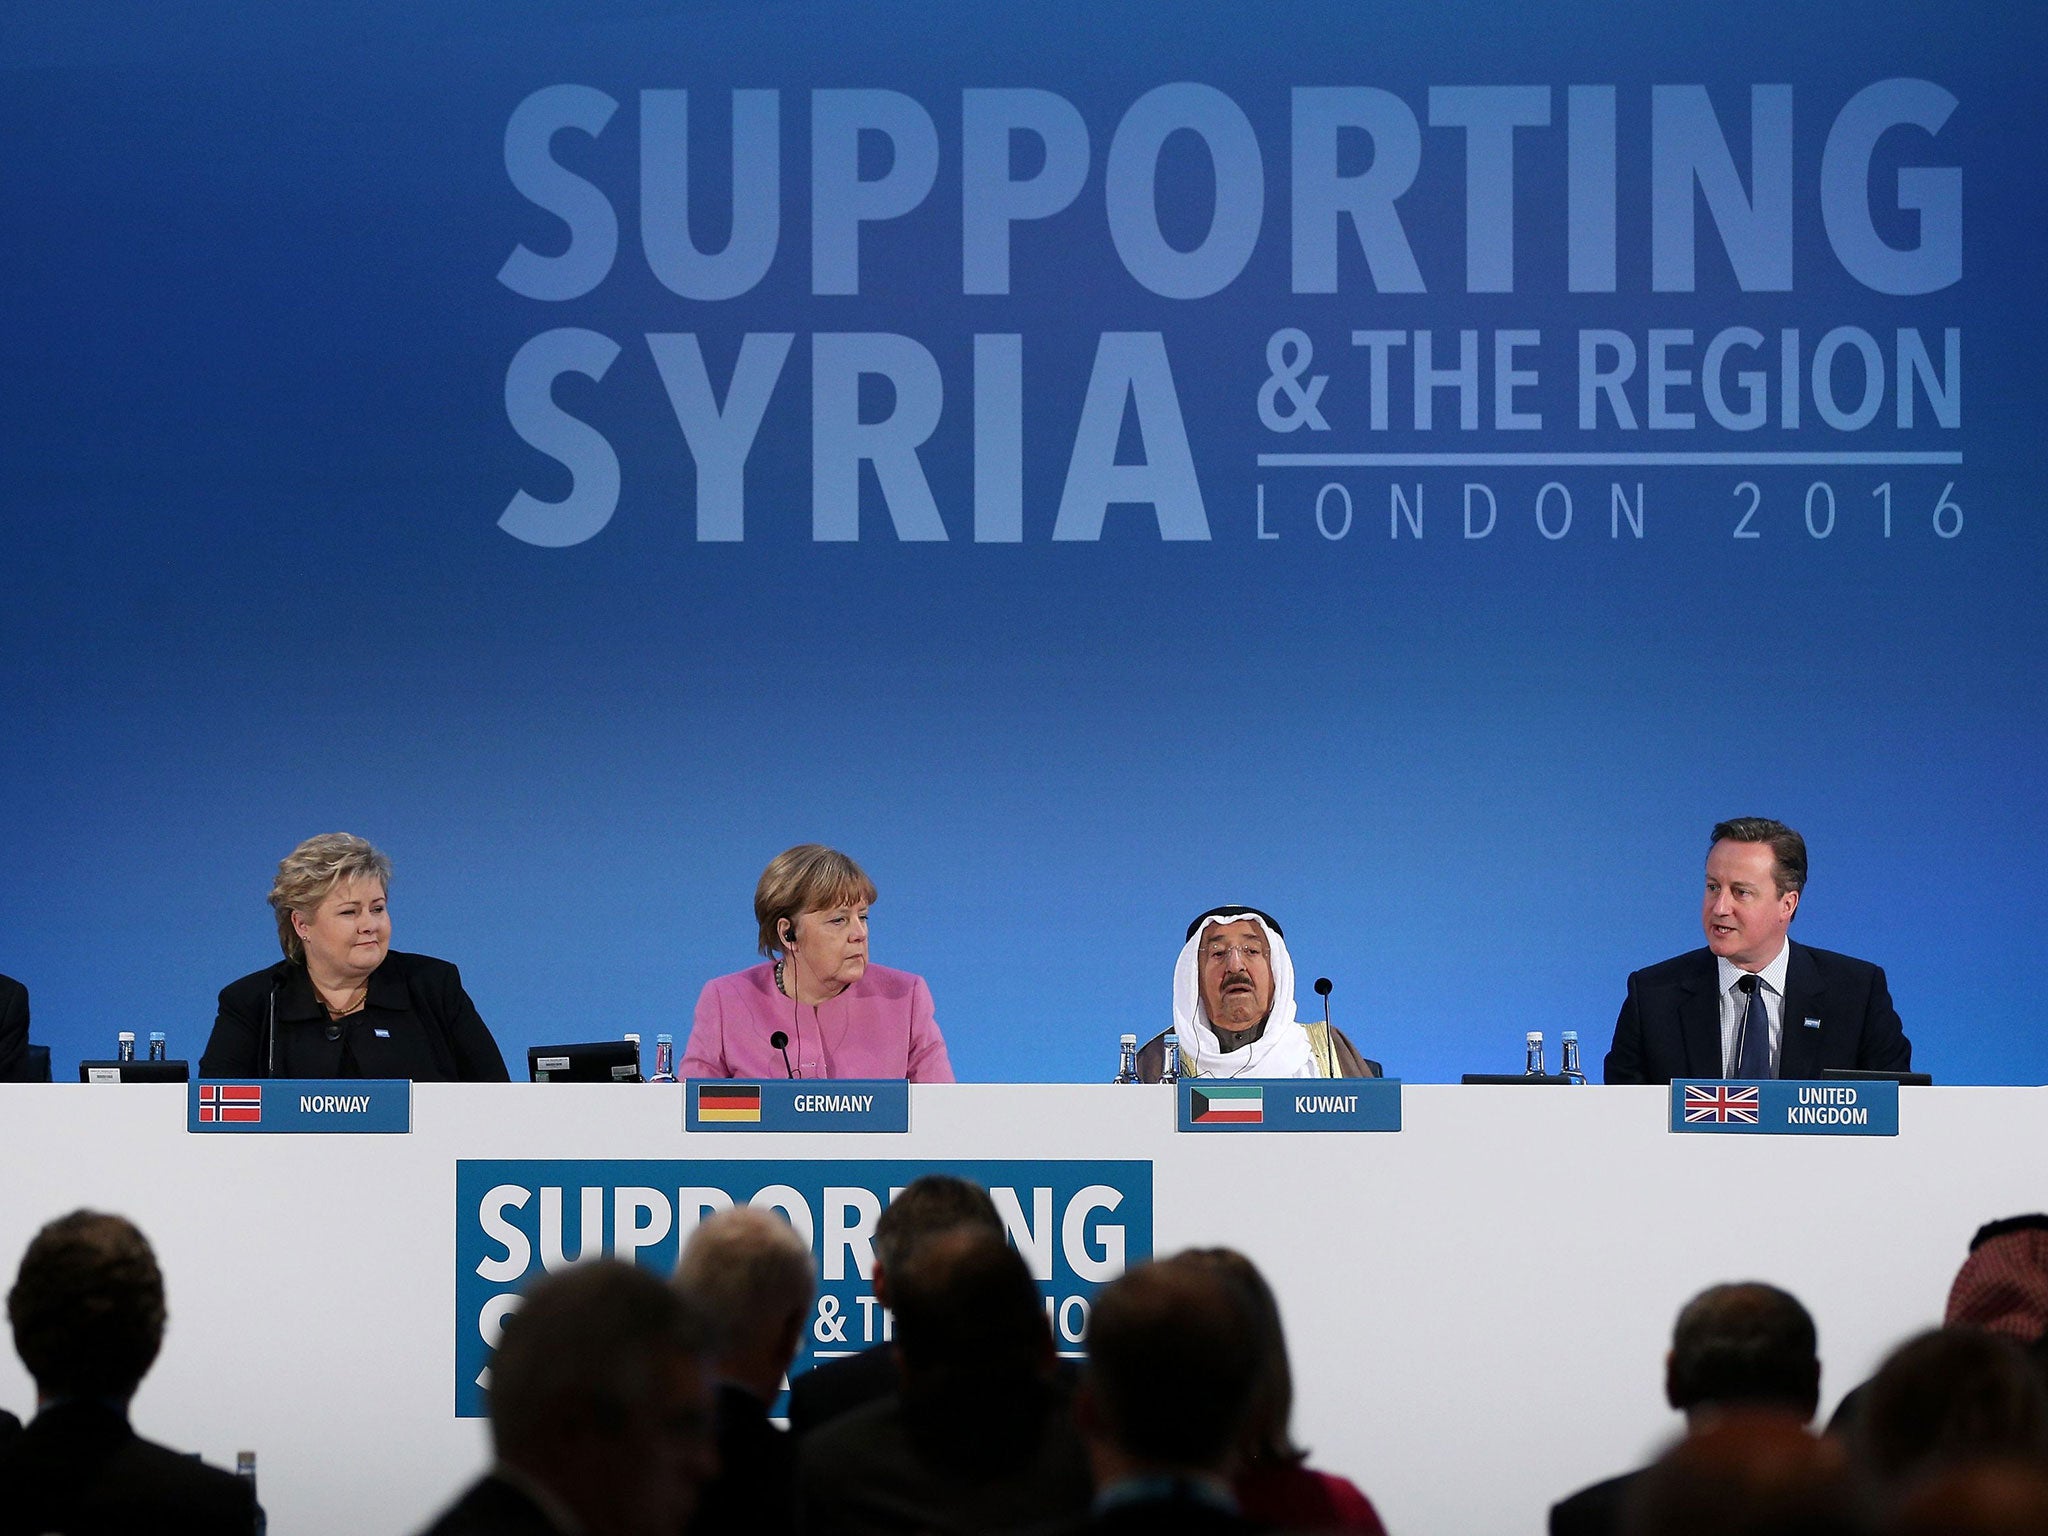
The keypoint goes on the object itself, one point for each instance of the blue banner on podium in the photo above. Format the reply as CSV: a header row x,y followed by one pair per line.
x,y
1792,1108
301,1106
1290,1104
796,1104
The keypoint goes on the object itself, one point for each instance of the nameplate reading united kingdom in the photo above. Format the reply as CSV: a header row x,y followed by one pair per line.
x,y
1290,1104
1864,1108
301,1106
798,1104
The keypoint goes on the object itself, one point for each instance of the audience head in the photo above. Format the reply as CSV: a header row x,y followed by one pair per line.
x,y
1173,1366
1749,1345
923,1209
1997,1497
1950,1395
599,1393
967,1308
87,1308
753,1277
2003,1284
1265,1436
1748,1472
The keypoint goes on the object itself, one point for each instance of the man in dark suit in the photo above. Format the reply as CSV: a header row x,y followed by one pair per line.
x,y
13,1030
601,1413
753,1277
1173,1367
926,1208
1735,1347
980,1437
1753,1004
87,1311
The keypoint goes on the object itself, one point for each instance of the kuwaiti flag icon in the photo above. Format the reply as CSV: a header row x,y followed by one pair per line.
x,y
1229,1104
230,1103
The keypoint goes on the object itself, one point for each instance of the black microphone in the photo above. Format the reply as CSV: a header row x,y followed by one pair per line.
x,y
1323,990
270,1034
780,1041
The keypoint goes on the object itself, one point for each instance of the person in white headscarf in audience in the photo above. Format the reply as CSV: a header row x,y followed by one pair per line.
x,y
1233,1008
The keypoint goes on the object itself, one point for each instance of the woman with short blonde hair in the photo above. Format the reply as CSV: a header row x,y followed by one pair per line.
x,y
835,1014
343,1002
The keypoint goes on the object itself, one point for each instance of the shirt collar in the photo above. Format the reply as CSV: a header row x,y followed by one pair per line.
x,y
1772,975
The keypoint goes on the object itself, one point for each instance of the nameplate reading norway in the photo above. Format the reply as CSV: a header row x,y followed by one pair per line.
x,y
1290,1104
1786,1108
301,1106
797,1104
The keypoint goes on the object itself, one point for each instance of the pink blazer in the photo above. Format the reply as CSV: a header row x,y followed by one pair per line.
x,y
881,1026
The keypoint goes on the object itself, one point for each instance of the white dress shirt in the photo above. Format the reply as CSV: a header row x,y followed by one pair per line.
x,y
1734,1004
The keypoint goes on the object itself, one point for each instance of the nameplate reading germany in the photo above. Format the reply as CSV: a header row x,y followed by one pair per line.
x,y
1786,1108
796,1104
1290,1104
301,1106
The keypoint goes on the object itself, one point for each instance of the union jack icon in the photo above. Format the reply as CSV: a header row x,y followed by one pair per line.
x,y
1721,1105
230,1103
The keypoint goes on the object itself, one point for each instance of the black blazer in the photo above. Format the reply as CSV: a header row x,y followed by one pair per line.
x,y
1593,1511
81,1470
1670,1024
13,1031
417,1022
834,1387
754,1493
490,1506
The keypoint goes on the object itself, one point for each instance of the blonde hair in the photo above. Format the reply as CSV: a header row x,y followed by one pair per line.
x,y
807,878
310,871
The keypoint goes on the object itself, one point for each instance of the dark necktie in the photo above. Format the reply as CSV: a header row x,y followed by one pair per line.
x,y
1753,1055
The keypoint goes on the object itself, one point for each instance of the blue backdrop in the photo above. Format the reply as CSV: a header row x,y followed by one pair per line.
x,y
1051,480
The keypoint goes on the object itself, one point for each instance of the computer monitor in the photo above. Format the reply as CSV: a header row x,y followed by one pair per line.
x,y
598,1061
135,1071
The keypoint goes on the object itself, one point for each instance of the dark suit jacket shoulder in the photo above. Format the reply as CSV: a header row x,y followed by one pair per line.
x,y
827,1390
1593,1511
1838,1013
755,1489
490,1506
417,1022
79,1469
13,1030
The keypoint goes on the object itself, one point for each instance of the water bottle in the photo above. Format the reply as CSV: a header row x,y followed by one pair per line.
x,y
245,1469
1534,1065
1570,1048
664,1059
1127,1058
1170,1072
156,1045
126,1048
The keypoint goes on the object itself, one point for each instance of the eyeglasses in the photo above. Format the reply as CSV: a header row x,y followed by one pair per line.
x,y
1246,951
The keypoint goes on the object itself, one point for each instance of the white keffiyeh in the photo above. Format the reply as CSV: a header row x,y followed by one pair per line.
x,y
1282,1051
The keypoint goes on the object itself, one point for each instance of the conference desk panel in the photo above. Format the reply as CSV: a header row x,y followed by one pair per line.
x,y
1478,1305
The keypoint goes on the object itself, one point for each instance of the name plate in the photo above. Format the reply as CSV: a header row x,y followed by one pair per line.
x,y
1290,1104
302,1106
798,1104
1786,1108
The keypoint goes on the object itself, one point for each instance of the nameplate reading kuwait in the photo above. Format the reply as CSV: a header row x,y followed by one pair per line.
x,y
1290,1104
1786,1108
798,1104
301,1106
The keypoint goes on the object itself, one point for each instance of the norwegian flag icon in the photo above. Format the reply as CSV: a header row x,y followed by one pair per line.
x,y
1721,1105
230,1103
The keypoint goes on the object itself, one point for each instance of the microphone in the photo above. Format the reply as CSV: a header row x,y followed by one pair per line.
x,y
270,1034
780,1040
1323,990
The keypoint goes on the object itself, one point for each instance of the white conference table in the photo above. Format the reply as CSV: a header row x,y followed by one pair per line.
x,y
1477,1306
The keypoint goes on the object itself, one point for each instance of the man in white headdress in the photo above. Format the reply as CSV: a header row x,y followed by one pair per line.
x,y
1233,1008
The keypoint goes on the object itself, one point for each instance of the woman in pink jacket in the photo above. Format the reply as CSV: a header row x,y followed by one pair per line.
x,y
836,1015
